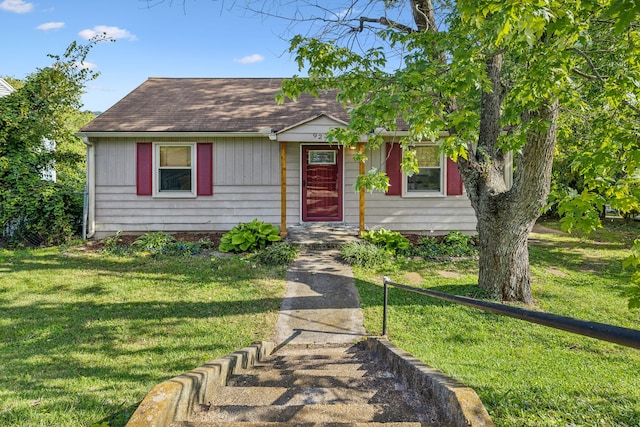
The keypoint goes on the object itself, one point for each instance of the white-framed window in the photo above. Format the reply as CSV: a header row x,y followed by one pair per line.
x,y
175,170
430,179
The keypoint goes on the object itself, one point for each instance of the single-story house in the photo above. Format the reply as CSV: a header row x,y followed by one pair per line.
x,y
204,154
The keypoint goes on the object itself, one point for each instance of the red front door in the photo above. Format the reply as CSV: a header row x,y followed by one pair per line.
x,y
321,183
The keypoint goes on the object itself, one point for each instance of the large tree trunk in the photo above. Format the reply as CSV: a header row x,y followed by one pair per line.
x,y
504,258
506,216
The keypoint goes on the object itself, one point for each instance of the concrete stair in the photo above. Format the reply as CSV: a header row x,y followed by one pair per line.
x,y
326,385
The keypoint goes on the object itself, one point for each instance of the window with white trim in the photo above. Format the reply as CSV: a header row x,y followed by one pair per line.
x,y
429,180
175,170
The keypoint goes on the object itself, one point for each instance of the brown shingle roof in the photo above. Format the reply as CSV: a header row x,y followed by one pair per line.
x,y
210,105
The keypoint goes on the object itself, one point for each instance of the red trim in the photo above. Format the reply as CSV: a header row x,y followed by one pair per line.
x,y
394,158
454,179
204,161
144,168
309,180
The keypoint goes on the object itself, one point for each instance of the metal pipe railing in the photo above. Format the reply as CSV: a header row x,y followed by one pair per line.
x,y
601,331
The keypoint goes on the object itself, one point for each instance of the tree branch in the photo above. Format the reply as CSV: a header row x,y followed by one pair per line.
x,y
386,22
590,63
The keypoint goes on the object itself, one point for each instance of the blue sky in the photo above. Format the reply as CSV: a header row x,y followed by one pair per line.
x,y
204,39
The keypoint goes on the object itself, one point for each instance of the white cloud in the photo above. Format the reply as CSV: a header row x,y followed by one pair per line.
x,y
50,26
110,32
86,65
16,6
250,59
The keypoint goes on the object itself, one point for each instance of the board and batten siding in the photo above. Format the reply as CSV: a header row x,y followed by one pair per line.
x,y
246,185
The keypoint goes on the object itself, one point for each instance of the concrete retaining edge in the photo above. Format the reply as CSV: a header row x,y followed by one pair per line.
x,y
458,405
174,399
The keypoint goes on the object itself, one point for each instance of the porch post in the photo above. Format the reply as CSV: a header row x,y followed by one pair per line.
x,y
361,149
283,188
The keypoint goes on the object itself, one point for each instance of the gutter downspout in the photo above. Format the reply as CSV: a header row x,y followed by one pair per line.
x,y
90,213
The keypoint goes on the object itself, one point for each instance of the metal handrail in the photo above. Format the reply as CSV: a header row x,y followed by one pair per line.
x,y
601,331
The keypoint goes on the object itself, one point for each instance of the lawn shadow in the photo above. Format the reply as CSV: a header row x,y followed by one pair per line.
x,y
119,343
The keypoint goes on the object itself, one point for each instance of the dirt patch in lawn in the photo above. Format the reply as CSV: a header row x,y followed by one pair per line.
x,y
556,272
449,274
413,278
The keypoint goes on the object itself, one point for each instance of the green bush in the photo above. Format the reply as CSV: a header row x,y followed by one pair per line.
x,y
153,242
249,237
280,253
113,245
458,244
364,254
40,213
633,261
391,240
454,244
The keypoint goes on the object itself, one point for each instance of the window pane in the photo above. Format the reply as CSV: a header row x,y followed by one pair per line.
x,y
175,179
428,156
175,156
428,179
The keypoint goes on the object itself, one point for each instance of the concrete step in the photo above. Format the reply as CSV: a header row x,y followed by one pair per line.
x,y
372,383
304,424
264,396
315,386
355,413
311,378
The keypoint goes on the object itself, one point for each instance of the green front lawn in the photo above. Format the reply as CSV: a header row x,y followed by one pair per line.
x,y
84,336
526,375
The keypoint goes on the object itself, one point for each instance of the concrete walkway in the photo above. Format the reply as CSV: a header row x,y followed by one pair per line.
x,y
321,305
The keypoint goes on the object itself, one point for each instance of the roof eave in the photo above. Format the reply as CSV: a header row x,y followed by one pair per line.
x,y
121,134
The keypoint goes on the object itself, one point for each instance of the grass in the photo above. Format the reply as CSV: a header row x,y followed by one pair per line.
x,y
84,336
526,375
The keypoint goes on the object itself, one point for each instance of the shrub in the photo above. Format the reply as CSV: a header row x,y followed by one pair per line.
x,y
113,244
180,248
454,244
364,254
391,240
153,242
280,253
249,237
458,244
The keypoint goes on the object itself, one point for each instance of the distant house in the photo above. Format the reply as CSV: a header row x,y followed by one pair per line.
x,y
203,154
47,174
5,88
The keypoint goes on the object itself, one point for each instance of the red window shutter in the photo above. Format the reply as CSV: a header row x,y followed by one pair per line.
x,y
144,168
454,179
205,168
394,158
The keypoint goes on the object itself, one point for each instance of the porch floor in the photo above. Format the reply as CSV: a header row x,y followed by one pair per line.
x,y
324,234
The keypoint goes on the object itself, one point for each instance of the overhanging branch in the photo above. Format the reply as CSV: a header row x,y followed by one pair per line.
x,y
385,22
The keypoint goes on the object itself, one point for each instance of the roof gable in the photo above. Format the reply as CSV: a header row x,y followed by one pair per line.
x,y
234,105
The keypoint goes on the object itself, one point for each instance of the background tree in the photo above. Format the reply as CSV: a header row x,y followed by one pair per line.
x,y
598,161
45,107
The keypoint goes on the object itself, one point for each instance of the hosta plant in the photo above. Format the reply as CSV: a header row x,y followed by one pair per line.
x,y
249,237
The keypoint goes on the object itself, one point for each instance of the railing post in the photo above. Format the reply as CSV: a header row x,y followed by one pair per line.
x,y
385,281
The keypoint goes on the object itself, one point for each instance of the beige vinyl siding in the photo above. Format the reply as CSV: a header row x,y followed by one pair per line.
x,y
246,185
424,215
246,179
294,213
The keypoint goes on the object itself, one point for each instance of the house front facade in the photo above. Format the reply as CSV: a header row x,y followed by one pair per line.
x,y
202,155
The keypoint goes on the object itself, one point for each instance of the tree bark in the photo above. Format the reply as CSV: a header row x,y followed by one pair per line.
x,y
507,216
